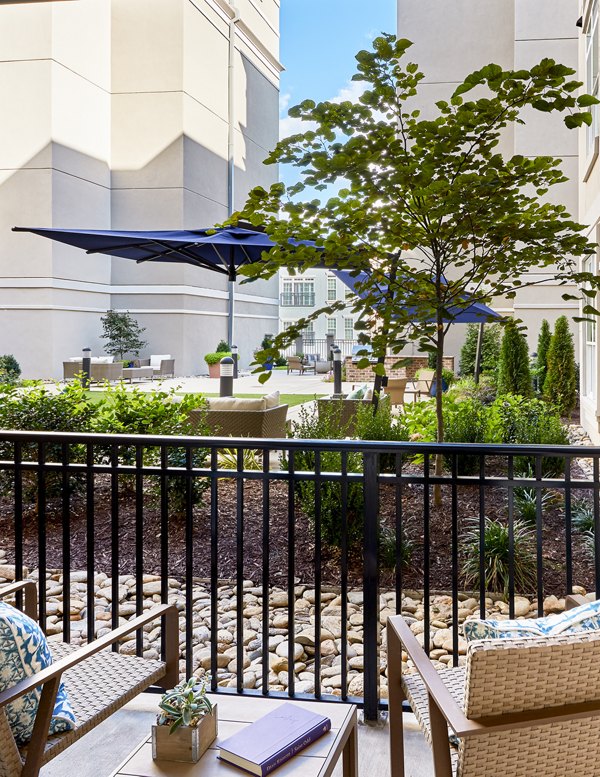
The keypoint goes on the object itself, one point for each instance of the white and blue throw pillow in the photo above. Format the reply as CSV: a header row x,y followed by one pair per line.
x,y
583,618
24,651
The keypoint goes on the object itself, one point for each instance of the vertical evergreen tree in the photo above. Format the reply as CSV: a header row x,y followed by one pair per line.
x,y
514,376
490,350
544,339
560,386
122,333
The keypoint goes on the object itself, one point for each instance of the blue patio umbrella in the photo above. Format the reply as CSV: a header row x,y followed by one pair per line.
x,y
475,313
219,249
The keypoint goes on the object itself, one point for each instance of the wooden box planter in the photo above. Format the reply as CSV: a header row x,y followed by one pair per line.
x,y
186,743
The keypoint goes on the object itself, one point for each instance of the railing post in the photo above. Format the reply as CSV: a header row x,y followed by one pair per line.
x,y
371,589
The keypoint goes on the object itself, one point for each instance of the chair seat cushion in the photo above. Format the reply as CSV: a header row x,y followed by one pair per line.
x,y
24,651
235,403
583,618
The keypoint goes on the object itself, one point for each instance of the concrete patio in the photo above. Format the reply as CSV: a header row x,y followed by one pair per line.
x,y
100,752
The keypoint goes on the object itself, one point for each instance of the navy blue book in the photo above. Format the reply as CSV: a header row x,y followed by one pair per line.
x,y
273,739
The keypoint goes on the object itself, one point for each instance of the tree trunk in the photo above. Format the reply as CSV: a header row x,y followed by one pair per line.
x,y
439,461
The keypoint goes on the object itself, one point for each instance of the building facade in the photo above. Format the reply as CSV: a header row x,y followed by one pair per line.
x,y
452,40
589,211
130,114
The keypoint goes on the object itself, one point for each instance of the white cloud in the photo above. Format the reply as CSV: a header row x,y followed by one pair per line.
x,y
291,126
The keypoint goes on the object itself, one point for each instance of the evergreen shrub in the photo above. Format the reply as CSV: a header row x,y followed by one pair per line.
x,y
560,385
514,376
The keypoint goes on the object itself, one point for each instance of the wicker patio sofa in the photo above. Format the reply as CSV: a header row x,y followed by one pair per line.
x,y
232,417
98,683
520,707
100,371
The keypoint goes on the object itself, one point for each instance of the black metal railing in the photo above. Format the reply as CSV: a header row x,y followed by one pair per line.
x,y
290,514
304,299
319,346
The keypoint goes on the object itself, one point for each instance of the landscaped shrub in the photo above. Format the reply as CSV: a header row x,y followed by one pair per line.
x,y
490,350
466,388
383,426
391,552
10,370
464,421
544,339
514,376
153,413
325,425
41,409
222,347
525,501
497,557
560,385
582,515
515,420
420,420
215,358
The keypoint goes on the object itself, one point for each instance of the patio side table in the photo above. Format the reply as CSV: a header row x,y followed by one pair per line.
x,y
235,712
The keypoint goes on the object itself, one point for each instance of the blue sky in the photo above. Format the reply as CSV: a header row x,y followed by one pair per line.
x,y
319,39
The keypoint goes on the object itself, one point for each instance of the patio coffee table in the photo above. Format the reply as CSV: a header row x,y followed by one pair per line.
x,y
235,712
137,372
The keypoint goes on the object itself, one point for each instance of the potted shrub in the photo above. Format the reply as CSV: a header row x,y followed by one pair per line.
x,y
186,724
213,360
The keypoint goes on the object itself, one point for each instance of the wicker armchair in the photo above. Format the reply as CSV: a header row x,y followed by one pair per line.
x,y
269,423
98,682
520,707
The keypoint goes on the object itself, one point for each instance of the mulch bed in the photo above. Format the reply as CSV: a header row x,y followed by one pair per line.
x,y
440,544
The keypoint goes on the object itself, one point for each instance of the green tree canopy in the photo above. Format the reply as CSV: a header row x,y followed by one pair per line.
x,y
122,333
544,339
428,209
514,376
560,385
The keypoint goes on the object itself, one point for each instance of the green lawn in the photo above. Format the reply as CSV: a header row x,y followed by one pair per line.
x,y
285,399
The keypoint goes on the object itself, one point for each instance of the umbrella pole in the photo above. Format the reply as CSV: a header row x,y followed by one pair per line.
x,y
478,352
230,320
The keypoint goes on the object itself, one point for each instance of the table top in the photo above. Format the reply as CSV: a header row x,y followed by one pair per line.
x,y
235,712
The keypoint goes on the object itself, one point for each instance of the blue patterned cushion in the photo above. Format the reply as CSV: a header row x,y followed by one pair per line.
x,y
24,651
583,618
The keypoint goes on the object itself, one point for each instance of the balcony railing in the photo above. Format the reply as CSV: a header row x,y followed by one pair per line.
x,y
305,299
285,546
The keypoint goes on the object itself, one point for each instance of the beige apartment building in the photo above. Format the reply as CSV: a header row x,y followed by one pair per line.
x,y
452,39
130,114
589,210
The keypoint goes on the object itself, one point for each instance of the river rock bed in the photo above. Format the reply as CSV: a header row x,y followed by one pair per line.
x,y
441,647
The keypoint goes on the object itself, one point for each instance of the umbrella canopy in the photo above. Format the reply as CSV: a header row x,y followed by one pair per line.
x,y
218,249
475,313
222,250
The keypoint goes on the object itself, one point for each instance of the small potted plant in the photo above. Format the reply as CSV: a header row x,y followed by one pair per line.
x,y
214,363
186,724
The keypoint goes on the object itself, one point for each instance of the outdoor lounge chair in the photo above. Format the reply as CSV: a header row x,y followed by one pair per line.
x,y
297,363
520,706
395,390
98,683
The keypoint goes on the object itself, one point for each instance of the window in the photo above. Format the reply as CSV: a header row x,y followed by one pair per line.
x,y
331,288
589,356
299,292
308,334
591,66
349,329
332,327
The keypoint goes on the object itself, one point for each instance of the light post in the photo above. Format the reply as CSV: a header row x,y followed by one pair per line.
x,y
226,372
337,373
234,356
86,367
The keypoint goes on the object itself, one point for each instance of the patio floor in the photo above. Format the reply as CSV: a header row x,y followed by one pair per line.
x,y
101,751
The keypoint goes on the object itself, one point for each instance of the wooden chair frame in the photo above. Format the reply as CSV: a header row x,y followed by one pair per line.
x,y
443,708
49,678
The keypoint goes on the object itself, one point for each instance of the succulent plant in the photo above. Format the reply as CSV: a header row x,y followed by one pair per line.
x,y
185,704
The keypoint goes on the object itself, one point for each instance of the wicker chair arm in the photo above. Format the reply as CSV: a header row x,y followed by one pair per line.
x,y
56,669
398,632
29,590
